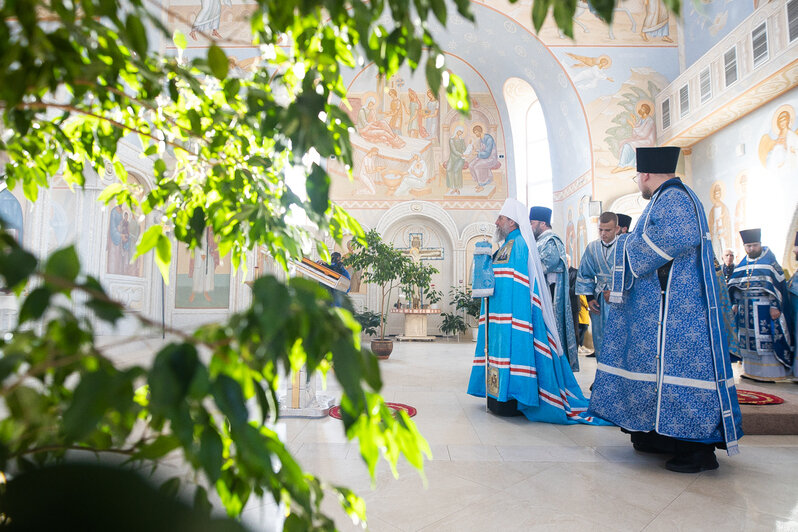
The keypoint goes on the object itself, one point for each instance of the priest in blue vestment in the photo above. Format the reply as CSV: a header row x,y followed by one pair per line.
x,y
759,294
665,374
792,291
555,267
594,280
527,371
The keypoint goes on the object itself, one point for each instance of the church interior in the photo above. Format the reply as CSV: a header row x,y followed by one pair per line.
x,y
555,122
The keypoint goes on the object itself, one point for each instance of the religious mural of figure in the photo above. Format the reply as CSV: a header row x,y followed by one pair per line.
x,y
570,238
396,112
208,18
594,70
719,220
370,173
416,179
431,114
58,225
485,160
415,124
123,233
456,162
644,133
655,23
11,215
202,268
374,129
417,253
740,218
355,275
781,152
581,228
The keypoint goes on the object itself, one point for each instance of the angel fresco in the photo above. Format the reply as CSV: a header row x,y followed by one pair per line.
x,y
781,152
593,72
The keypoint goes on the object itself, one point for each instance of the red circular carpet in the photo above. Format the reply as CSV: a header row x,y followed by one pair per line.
x,y
395,407
750,397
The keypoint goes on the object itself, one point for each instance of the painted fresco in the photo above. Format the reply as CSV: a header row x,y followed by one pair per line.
x,y
124,229
60,226
203,276
11,215
409,144
636,22
756,186
706,22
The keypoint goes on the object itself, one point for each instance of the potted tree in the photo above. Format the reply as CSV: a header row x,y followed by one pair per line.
x,y
462,300
384,266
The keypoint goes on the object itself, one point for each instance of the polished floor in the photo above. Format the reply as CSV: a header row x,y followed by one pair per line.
x,y
490,473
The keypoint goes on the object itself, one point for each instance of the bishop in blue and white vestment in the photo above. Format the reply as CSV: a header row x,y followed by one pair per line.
x,y
665,367
526,365
757,287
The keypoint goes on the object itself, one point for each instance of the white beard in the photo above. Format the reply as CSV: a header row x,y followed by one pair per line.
x,y
499,236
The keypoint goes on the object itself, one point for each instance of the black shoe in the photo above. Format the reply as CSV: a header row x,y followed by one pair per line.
x,y
591,355
643,448
693,462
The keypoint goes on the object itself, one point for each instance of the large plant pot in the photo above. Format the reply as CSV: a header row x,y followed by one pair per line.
x,y
382,348
474,333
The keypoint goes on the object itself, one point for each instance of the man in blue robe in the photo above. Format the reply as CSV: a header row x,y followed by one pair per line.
x,y
665,374
759,294
527,371
624,222
555,268
792,289
594,280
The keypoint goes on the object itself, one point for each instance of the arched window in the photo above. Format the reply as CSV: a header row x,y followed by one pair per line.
x,y
533,179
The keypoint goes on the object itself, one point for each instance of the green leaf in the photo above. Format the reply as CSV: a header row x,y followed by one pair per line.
x,y
217,60
230,399
179,38
148,240
434,75
95,394
439,8
63,264
158,448
35,304
163,256
540,10
564,16
318,187
137,34
210,454
16,266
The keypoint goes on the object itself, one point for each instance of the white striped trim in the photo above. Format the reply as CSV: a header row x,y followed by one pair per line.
x,y
691,383
656,248
646,377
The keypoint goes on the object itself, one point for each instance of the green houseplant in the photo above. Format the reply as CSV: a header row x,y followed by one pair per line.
x,y
452,323
369,321
470,306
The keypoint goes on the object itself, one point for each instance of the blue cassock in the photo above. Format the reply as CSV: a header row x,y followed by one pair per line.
x,y
595,276
527,368
764,343
665,360
792,294
552,256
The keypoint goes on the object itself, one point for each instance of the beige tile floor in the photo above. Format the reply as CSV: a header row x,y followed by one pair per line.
x,y
490,473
